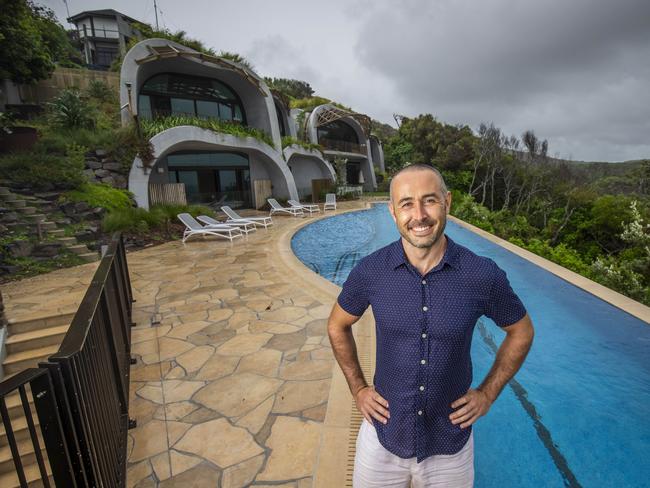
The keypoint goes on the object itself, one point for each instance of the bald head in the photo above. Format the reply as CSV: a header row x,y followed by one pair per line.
x,y
419,167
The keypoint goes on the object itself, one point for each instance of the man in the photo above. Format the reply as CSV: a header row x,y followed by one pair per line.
x,y
427,293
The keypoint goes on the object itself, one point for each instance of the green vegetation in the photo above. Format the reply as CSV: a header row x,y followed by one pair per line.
x,y
159,217
289,141
100,195
291,88
32,42
310,103
592,218
70,111
32,267
154,126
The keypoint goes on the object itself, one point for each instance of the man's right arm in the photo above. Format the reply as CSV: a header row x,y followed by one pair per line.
x,y
339,329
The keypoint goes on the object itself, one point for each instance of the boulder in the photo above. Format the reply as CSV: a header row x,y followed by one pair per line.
x,y
93,164
108,180
100,152
120,181
81,207
90,174
19,248
102,173
46,249
3,229
112,166
8,217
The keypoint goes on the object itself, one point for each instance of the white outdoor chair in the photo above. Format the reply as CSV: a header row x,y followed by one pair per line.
x,y
276,207
245,227
304,206
234,217
193,228
330,202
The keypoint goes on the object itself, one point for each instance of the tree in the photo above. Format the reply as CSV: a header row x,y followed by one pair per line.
x,y
31,41
237,58
290,87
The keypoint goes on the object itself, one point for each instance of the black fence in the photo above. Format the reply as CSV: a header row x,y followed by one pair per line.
x,y
81,394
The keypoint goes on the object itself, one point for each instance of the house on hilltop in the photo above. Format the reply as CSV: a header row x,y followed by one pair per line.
x,y
238,160
103,35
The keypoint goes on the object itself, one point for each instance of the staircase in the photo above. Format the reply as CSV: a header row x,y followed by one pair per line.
x,y
28,343
32,213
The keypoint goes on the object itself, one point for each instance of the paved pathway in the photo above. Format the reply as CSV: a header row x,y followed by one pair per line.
x,y
234,365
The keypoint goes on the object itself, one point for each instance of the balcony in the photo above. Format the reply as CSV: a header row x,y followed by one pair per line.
x,y
85,31
343,146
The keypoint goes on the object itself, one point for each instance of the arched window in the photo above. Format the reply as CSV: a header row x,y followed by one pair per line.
x,y
176,94
338,131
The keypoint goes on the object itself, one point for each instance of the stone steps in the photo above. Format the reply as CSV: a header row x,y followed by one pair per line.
x,y
89,257
27,456
38,322
35,339
32,475
30,358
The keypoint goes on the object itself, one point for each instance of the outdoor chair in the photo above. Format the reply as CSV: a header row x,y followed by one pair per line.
x,y
330,202
234,217
276,207
245,227
194,228
310,208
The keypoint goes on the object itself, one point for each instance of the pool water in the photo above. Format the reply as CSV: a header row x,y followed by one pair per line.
x,y
578,412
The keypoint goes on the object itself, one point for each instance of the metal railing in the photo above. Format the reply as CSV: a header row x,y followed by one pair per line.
x,y
81,394
342,146
86,31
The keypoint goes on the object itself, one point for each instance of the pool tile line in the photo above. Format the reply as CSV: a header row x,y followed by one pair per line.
x,y
543,432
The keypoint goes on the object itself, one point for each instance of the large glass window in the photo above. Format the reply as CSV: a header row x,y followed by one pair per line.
x,y
218,178
177,94
338,131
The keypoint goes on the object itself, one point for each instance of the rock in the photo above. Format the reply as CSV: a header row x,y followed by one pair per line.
x,y
3,229
90,174
112,166
67,208
108,180
9,217
86,235
102,173
120,181
20,248
98,212
46,250
80,207
7,270
93,164
100,152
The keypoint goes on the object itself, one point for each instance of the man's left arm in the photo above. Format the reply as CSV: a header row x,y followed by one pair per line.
x,y
510,356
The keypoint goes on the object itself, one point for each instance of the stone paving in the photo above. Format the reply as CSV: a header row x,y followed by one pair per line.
x,y
234,366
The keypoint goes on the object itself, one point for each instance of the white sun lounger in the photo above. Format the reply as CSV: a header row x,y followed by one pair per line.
x,y
330,202
245,227
193,228
235,217
305,206
276,207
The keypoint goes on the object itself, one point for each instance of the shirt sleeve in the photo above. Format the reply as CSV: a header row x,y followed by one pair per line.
x,y
354,296
503,305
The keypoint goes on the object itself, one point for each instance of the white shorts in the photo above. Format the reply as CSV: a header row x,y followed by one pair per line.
x,y
374,466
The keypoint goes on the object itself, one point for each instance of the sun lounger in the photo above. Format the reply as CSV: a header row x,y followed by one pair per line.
x,y
193,228
276,207
235,217
305,206
245,227
330,202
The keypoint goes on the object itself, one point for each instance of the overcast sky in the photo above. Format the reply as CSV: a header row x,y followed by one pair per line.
x,y
576,72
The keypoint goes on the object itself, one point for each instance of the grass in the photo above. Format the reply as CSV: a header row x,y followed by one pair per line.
x,y
151,127
290,141
32,267
139,220
100,195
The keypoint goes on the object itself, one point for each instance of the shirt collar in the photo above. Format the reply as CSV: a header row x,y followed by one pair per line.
x,y
451,256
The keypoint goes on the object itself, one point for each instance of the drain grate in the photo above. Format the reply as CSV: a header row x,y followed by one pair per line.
x,y
356,417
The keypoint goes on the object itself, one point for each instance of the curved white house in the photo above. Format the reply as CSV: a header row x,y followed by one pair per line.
x,y
161,79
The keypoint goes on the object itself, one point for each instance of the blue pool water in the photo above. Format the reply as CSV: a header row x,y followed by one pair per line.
x,y
578,413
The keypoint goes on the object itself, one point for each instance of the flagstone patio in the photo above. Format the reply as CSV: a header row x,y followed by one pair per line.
x,y
234,368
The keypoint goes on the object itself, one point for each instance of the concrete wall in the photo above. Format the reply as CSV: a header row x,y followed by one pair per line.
x,y
306,166
259,107
377,152
265,162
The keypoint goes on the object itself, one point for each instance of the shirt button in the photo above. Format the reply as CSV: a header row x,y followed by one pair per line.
x,y
424,335
423,361
421,388
425,308
419,412
424,282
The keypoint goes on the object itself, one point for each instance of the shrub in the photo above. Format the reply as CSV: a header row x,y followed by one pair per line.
x,y
139,220
290,141
151,127
100,90
45,171
465,208
310,103
127,144
100,195
70,110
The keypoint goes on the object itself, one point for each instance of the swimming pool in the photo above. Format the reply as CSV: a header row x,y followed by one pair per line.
x,y
578,413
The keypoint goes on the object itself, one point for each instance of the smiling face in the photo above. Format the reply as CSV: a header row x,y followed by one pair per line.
x,y
419,206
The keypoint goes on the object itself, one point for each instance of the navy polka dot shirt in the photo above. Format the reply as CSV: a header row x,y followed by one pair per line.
x,y
424,334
